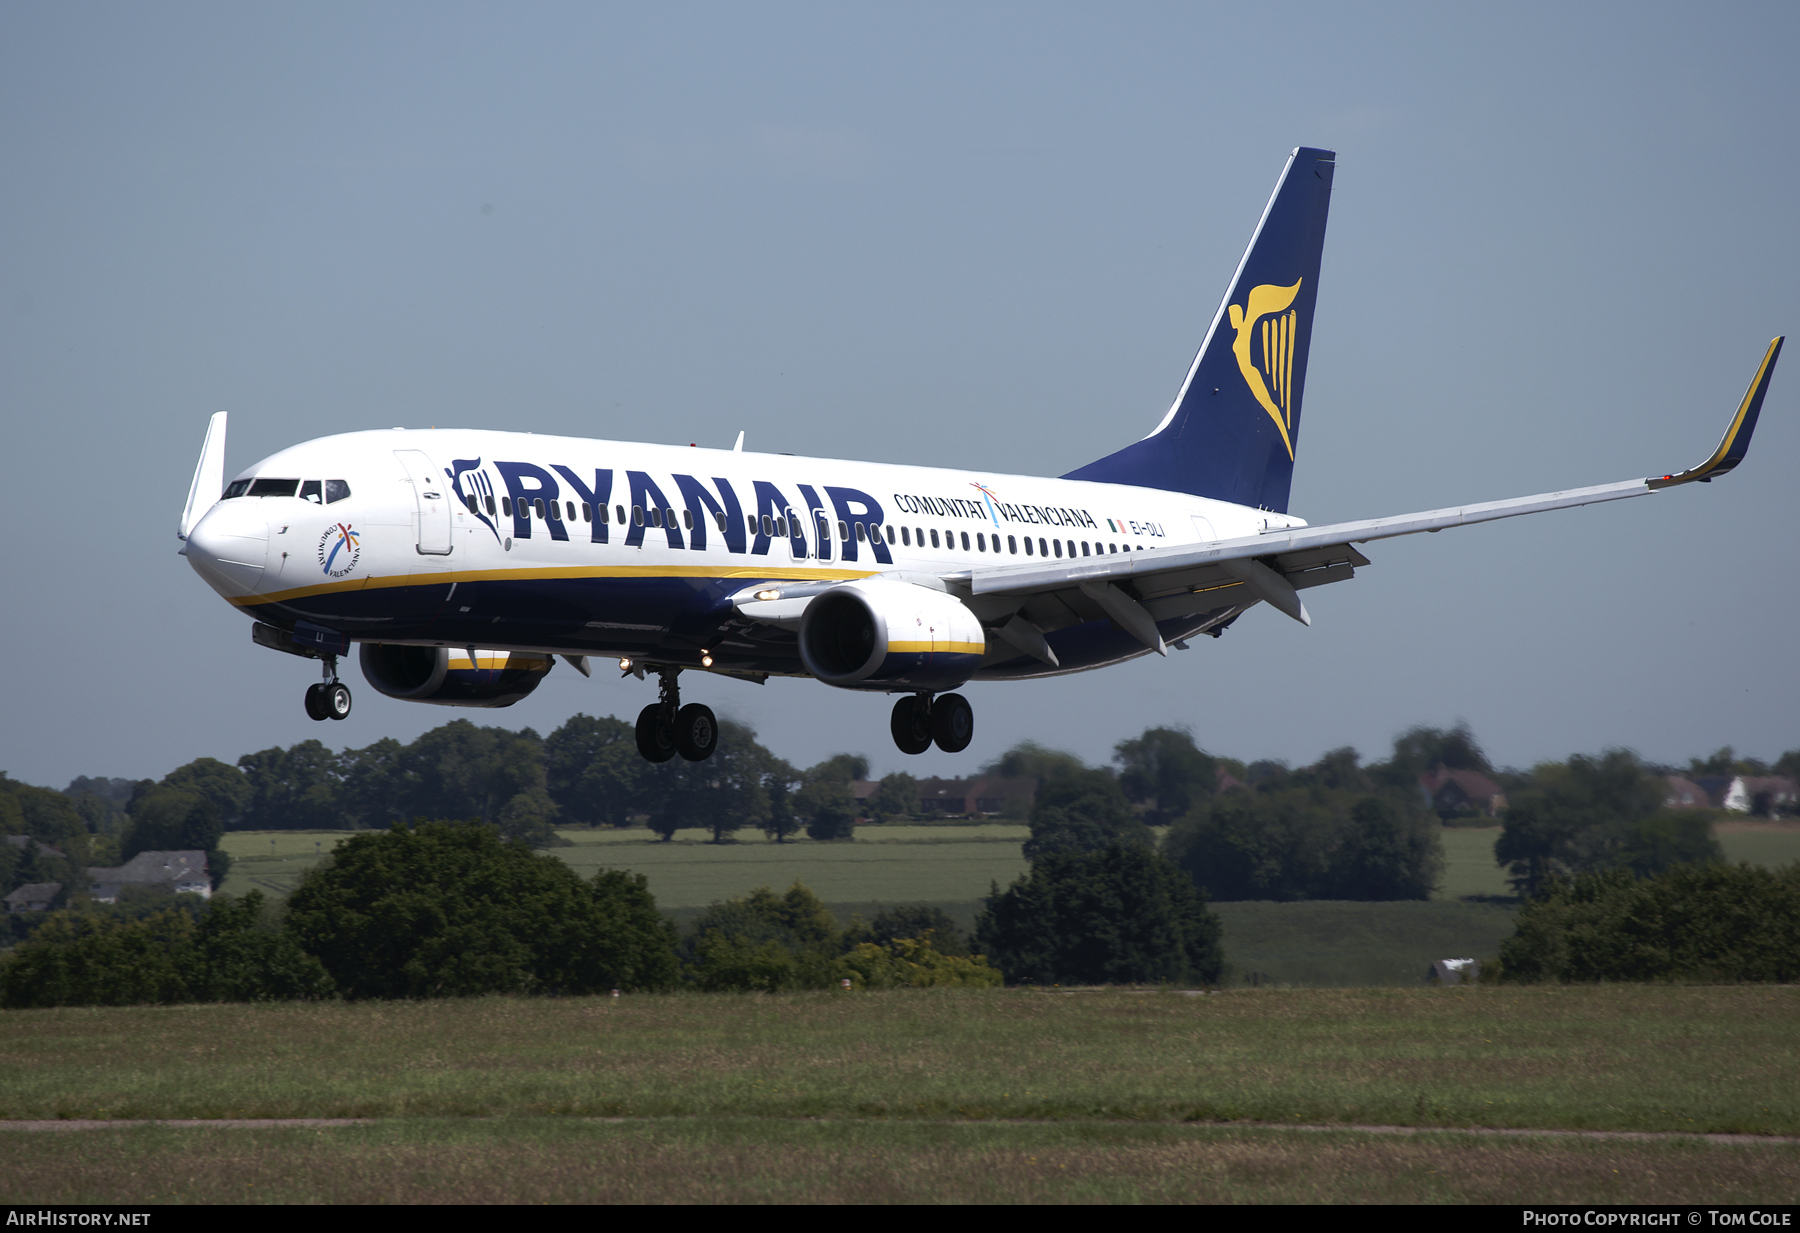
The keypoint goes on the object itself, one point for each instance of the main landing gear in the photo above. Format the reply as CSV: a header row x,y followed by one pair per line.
x,y
330,698
666,728
920,719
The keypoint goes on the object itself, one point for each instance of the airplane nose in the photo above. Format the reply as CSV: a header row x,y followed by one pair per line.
x,y
230,547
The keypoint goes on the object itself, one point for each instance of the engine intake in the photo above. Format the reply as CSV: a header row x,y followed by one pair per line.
x,y
880,633
446,677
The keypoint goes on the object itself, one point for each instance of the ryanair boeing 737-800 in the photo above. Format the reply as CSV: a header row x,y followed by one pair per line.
x,y
464,563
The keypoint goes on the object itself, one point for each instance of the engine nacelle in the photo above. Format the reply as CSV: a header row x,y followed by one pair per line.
x,y
880,633
446,677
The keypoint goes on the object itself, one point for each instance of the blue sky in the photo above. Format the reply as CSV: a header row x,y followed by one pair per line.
x,y
988,235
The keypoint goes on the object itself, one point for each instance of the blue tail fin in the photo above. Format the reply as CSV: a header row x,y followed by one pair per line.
x,y
1232,432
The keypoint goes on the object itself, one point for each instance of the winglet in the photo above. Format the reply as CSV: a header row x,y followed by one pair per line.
x,y
1736,442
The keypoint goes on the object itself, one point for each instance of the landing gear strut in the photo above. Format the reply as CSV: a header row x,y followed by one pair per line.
x,y
330,698
666,728
920,719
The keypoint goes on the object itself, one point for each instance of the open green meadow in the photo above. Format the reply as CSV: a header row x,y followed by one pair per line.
x,y
918,1096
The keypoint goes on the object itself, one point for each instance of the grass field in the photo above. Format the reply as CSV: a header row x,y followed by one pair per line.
x,y
924,1095
744,1160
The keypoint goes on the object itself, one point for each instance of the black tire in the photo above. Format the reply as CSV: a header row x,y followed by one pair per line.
x,y
696,732
337,701
655,739
315,702
911,726
952,722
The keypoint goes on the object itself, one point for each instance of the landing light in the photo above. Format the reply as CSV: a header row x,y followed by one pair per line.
x,y
705,659
624,665
768,593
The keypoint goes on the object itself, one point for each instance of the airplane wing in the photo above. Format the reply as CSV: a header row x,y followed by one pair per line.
x,y
1138,589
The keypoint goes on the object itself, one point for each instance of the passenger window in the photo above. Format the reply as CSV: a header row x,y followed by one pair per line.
x,y
965,540
637,515
1058,544
570,506
238,488
620,511
720,519
490,498
1012,545
338,490
1084,548
843,531
587,512
934,537
474,504
687,519
656,517
506,506
1028,545
874,533
537,507
309,491
861,532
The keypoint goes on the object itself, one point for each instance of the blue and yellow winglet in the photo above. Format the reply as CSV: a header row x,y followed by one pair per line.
x,y
1736,442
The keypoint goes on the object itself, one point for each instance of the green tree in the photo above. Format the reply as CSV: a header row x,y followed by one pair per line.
x,y
1163,770
723,794
594,772
1125,915
372,785
224,785
1583,815
897,796
222,950
1702,923
840,767
1030,760
45,815
829,808
1297,838
176,820
764,941
1082,811
448,910
292,789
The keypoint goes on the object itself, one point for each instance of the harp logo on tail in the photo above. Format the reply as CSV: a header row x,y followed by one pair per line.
x,y
1270,375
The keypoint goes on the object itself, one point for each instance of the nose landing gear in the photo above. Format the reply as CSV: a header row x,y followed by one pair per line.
x,y
330,698
920,719
666,728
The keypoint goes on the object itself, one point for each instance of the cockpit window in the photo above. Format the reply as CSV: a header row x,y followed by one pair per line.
x,y
309,491
336,490
274,487
238,488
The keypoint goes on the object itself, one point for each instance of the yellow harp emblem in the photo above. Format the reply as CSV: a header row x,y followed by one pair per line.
x,y
1267,304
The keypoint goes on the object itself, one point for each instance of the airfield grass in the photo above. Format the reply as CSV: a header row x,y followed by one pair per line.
x,y
744,1160
1644,1058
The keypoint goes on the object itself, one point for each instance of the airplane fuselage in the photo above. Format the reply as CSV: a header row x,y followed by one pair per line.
x,y
561,545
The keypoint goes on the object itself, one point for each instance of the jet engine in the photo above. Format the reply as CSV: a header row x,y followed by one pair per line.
x,y
447,677
881,633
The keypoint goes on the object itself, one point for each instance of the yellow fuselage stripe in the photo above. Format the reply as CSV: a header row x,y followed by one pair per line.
x,y
376,582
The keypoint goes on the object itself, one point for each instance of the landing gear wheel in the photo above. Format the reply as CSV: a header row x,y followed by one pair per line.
x,y
337,701
952,722
655,736
911,725
696,732
315,702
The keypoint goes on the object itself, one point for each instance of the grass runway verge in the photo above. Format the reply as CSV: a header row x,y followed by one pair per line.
x,y
1011,1095
746,1160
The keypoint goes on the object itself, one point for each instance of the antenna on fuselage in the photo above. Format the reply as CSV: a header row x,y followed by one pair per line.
x,y
739,447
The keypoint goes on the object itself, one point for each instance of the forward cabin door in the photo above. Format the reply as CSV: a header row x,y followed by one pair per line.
x,y
433,502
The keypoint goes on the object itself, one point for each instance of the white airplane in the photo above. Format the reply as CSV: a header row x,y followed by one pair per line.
x,y
464,562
